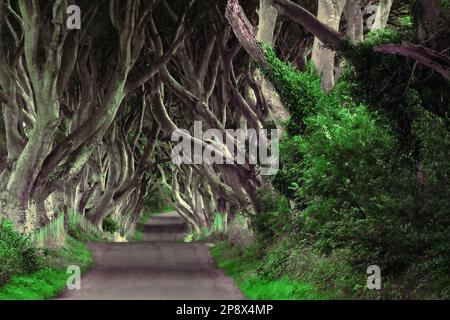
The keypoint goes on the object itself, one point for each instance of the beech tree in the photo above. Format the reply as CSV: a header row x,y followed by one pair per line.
x,y
214,98
32,83
87,115
382,14
57,106
329,13
336,41
77,134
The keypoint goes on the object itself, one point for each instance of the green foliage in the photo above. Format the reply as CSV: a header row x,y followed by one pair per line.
x,y
406,21
110,225
331,275
367,167
83,236
51,280
219,223
44,284
242,263
17,254
299,91
157,201
385,83
139,232
203,234
138,236
416,100
273,218
163,209
29,273
351,186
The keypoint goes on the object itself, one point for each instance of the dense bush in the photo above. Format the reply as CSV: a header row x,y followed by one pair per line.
x,y
242,263
51,278
416,100
110,225
395,86
273,218
17,255
370,178
157,201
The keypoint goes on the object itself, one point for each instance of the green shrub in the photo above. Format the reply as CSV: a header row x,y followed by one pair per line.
x,y
395,86
242,264
416,101
17,254
273,218
367,168
51,279
157,201
110,225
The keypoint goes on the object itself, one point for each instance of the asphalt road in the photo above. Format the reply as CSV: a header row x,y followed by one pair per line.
x,y
160,267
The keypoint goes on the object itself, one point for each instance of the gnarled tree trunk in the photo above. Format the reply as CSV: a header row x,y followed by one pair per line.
x,y
329,13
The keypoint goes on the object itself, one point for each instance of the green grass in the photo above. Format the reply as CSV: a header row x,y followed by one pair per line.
x,y
242,265
50,281
88,237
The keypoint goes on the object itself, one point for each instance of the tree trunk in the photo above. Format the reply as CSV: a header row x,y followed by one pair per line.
x,y
268,16
329,13
382,15
355,24
429,20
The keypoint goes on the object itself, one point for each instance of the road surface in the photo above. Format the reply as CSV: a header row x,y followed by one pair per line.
x,y
160,267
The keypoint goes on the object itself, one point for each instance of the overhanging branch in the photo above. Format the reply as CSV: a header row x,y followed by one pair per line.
x,y
428,57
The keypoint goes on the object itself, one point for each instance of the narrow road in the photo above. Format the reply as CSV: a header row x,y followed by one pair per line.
x,y
160,267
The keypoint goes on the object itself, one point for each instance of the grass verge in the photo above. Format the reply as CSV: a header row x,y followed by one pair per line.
x,y
90,237
50,280
242,264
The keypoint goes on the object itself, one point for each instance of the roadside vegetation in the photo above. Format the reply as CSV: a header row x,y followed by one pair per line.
x,y
30,273
88,118
364,180
214,233
243,265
